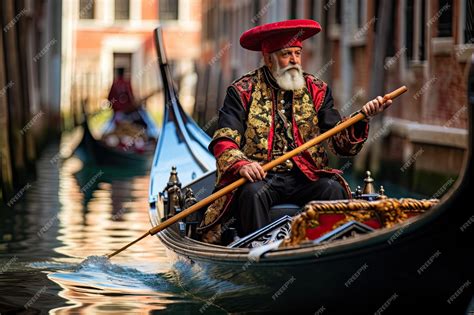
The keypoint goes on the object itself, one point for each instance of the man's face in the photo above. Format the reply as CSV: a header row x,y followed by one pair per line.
x,y
285,65
285,57
289,56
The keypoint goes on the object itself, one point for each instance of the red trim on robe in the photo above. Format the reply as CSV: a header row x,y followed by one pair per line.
x,y
223,145
318,93
271,132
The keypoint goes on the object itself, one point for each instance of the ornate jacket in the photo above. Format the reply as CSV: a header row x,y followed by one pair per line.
x,y
259,122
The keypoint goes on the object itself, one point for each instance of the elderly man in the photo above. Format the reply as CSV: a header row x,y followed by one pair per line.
x,y
267,113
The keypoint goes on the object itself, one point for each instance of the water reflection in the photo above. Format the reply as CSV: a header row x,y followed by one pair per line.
x,y
73,211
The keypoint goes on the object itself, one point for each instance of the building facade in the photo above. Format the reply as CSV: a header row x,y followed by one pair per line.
x,y
103,35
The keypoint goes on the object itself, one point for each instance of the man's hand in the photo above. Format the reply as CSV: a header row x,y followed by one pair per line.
x,y
252,171
375,106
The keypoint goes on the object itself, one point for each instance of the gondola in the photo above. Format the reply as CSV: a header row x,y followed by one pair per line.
x,y
95,151
424,263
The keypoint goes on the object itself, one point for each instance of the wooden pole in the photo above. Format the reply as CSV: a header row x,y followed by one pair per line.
x,y
266,167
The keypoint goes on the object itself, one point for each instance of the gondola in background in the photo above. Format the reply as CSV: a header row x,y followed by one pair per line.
x,y
130,144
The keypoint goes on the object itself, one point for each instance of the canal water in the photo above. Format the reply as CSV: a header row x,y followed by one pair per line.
x,y
72,212
54,231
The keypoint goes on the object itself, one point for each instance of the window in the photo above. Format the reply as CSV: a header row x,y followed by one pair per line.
x,y
293,9
360,13
86,9
312,10
338,12
415,32
469,27
445,21
168,9
409,14
210,29
391,33
422,31
122,9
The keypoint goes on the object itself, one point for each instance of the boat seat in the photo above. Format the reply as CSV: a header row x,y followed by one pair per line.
x,y
283,209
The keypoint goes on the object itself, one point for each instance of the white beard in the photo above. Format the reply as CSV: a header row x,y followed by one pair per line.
x,y
289,78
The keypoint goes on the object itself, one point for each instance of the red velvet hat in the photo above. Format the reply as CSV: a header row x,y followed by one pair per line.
x,y
275,36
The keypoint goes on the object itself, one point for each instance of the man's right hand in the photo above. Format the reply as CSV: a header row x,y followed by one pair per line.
x,y
252,171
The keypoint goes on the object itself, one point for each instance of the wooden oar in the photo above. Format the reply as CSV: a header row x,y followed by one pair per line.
x,y
266,168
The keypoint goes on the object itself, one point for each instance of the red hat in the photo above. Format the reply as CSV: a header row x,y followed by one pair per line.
x,y
275,36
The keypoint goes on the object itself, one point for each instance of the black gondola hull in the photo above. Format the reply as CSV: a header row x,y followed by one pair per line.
x,y
94,151
424,267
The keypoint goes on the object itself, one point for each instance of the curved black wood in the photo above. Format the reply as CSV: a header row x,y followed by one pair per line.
x,y
423,264
182,143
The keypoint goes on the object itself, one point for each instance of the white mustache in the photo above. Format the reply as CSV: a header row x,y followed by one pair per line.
x,y
290,67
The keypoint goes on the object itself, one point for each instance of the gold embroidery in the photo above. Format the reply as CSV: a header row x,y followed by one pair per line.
x,y
214,210
229,133
227,159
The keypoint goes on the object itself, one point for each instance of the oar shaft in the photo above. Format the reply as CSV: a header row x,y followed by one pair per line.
x,y
128,245
266,167
270,165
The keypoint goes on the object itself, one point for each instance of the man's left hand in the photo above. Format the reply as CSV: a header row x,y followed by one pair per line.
x,y
375,106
